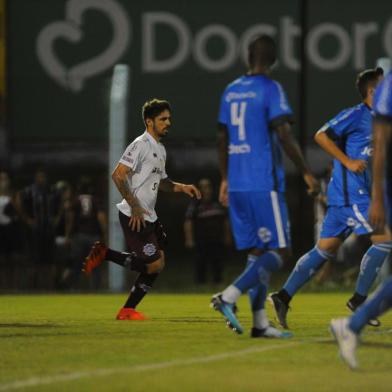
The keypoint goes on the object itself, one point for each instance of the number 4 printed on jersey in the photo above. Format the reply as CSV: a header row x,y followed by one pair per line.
x,y
237,111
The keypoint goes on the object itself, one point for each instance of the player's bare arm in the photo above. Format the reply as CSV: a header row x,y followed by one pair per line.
x,y
329,146
293,151
167,185
381,136
223,158
120,178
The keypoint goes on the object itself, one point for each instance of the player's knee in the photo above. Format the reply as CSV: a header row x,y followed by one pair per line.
x,y
328,246
157,266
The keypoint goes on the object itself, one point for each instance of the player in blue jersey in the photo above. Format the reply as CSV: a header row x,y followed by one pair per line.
x,y
254,127
347,138
346,330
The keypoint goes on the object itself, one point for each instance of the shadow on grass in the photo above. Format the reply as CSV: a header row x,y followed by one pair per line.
x,y
363,344
196,320
28,325
40,335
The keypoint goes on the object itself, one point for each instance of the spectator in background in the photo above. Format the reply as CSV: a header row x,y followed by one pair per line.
x,y
63,221
207,230
320,208
36,206
10,234
89,225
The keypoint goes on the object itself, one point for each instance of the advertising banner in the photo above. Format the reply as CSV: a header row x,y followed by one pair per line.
x,y
62,53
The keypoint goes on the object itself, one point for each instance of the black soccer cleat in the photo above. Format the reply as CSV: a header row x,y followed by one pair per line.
x,y
353,307
280,309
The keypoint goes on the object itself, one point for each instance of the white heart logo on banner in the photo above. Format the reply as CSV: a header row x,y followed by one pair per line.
x,y
70,30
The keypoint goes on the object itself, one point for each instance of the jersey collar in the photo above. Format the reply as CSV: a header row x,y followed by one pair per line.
x,y
367,106
152,140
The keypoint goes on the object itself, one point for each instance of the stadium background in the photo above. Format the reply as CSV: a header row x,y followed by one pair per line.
x,y
56,74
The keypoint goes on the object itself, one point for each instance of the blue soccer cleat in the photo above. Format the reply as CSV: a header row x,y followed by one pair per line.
x,y
228,311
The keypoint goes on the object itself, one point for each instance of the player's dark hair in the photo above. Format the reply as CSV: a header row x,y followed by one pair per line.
x,y
262,51
154,108
366,79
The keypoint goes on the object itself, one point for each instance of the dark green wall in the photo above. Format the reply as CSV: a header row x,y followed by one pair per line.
x,y
40,109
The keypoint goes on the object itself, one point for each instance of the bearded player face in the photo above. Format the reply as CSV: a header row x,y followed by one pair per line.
x,y
160,124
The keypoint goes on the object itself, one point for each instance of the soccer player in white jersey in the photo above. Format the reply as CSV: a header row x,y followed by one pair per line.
x,y
138,176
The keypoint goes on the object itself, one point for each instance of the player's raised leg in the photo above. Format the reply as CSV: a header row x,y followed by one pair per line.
x,y
347,330
305,268
100,252
371,263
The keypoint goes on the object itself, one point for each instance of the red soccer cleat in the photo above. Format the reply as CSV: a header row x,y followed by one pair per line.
x,y
95,257
130,314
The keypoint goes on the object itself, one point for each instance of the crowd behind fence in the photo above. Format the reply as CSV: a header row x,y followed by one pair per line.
x,y
47,230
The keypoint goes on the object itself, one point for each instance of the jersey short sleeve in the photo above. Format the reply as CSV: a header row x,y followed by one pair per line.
x,y
341,123
382,101
278,106
133,155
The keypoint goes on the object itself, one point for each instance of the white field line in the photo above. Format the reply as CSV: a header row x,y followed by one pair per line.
x,y
47,380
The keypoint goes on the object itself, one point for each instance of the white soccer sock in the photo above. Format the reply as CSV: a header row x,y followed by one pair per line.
x,y
260,319
231,294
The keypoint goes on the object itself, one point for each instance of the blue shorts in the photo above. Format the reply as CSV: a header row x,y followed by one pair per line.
x,y
259,220
342,221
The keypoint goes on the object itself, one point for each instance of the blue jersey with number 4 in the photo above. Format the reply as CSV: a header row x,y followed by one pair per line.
x,y
251,107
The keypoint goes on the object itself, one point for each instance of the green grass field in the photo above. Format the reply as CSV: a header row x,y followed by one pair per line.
x,y
73,343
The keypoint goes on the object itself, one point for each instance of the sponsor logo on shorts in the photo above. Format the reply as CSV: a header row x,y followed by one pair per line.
x,y
264,234
351,222
149,249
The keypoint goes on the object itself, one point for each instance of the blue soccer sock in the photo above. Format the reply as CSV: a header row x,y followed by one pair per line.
x,y
256,273
305,268
257,297
371,263
258,270
379,303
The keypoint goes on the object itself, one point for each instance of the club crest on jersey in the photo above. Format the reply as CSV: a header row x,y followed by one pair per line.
x,y
149,249
264,234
